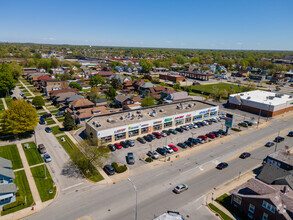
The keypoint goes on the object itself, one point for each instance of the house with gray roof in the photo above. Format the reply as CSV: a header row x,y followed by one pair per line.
x,y
7,187
73,98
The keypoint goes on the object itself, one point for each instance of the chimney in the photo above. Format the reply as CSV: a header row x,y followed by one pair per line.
x,y
284,189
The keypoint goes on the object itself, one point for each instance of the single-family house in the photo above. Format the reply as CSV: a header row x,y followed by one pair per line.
x,y
80,104
54,93
53,84
145,88
174,96
121,100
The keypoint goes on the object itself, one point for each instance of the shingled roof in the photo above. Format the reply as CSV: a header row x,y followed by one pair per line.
x,y
81,103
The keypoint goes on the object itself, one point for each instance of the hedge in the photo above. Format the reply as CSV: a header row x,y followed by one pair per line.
x,y
235,129
148,159
119,169
12,205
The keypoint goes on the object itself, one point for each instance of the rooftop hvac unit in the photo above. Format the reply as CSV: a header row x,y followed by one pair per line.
x,y
121,118
241,94
248,97
271,97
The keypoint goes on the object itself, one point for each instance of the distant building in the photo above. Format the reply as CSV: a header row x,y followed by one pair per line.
x,y
172,77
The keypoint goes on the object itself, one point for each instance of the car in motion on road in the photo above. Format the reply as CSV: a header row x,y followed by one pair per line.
x,y
130,158
279,139
48,130
269,144
47,158
222,165
141,140
162,151
244,155
109,169
118,145
112,147
153,154
42,149
180,188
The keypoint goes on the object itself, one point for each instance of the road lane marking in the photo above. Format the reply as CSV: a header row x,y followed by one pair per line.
x,y
78,184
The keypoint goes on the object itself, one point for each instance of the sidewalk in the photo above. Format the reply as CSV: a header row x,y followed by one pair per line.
x,y
225,188
4,103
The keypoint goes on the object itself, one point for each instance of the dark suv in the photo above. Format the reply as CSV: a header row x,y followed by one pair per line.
x,y
48,115
109,169
279,139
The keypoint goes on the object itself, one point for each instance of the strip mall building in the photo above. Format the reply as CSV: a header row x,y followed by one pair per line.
x,y
114,127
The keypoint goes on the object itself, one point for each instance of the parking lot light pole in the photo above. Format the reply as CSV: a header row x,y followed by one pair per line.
x,y
135,197
193,134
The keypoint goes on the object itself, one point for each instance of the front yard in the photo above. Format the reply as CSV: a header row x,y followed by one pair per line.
x,y
10,152
32,154
56,130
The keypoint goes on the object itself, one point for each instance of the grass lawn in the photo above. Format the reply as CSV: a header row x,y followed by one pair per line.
x,y
53,112
8,101
24,90
70,148
44,185
32,154
222,214
50,107
225,200
42,113
10,152
50,121
60,119
23,190
56,130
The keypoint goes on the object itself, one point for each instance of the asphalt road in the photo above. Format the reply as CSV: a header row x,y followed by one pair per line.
x,y
155,185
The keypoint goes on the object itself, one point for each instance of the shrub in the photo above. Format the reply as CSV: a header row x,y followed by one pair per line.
x,y
148,159
12,205
235,129
242,125
119,169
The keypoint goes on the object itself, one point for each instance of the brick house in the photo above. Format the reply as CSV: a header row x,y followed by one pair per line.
x,y
53,84
259,200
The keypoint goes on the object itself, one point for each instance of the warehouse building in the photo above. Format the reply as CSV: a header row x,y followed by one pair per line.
x,y
265,103
131,124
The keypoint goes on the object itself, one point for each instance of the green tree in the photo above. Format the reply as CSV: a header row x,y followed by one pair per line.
x,y
55,63
20,117
96,80
148,101
16,70
38,101
37,55
111,93
75,85
146,65
7,82
68,123
45,64
94,93
115,84
180,59
113,64
177,86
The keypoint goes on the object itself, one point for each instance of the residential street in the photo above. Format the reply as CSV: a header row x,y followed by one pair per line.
x,y
155,186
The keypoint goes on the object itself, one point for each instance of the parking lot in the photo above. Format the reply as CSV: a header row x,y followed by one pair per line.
x,y
140,150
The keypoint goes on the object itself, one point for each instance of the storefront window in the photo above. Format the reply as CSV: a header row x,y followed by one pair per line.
x,y
213,114
206,115
157,127
197,118
187,120
168,124
133,133
179,122
144,130
120,136
106,139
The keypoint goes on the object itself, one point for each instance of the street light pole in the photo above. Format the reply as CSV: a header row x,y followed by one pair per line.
x,y
135,197
277,142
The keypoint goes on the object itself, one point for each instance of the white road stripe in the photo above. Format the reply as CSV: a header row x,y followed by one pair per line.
x,y
72,186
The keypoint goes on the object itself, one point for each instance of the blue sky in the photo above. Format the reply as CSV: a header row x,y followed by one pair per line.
x,y
208,24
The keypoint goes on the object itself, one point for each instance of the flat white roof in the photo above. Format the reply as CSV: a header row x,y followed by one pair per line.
x,y
264,97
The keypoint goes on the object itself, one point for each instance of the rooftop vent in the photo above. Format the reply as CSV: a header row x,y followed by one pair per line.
x,y
241,94
248,97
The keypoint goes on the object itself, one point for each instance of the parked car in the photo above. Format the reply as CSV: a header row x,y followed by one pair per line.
x,y
202,124
180,188
179,130
245,155
173,131
211,135
163,134
109,169
112,147
209,121
157,135
193,140
185,127
173,147
124,144
290,134
162,151
217,134
221,132
195,125
47,158
203,137
199,140
147,138
189,143
198,124
269,144
60,113
168,132
182,145
279,139
48,130
14,98
248,123
152,136
130,158
130,143
118,145
42,149
153,154
141,140
205,122
28,101
168,149
243,124
48,115
214,120
222,165
42,121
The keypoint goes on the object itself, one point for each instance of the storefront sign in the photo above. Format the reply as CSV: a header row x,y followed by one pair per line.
x,y
120,130
207,111
188,115
182,116
229,120
157,122
144,125
168,119
132,128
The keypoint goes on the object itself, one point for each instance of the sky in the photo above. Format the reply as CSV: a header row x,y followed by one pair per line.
x,y
200,24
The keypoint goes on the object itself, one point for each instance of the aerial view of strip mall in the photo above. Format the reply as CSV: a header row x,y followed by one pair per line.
x,y
146,110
